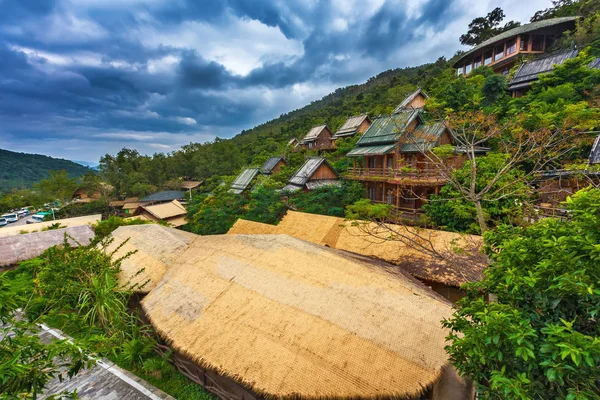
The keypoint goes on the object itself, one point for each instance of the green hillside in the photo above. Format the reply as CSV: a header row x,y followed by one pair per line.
x,y
22,170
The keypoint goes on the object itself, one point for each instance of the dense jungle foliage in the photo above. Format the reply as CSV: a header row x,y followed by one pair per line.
x,y
20,170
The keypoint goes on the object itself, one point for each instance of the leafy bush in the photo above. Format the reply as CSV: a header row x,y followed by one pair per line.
x,y
541,337
105,227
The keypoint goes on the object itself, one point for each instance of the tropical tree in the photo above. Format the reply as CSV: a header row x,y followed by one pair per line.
x,y
58,186
484,28
539,337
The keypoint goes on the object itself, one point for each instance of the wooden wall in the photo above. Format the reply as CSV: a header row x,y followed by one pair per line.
x,y
323,172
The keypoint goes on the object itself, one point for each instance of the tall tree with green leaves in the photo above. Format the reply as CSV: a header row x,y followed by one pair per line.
x,y
58,186
540,337
484,28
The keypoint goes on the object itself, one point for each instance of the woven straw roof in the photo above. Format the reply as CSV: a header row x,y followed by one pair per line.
x,y
131,205
14,249
288,318
155,245
187,185
369,240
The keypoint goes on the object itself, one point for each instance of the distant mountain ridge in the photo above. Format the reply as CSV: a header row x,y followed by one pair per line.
x,y
22,170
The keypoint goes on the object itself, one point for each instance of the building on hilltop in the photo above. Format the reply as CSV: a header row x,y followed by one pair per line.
x,y
314,173
272,316
318,138
395,168
352,126
530,71
173,213
502,51
244,180
272,165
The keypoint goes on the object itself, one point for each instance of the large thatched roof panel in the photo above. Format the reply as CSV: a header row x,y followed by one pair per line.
x,y
37,227
288,318
14,249
381,242
155,248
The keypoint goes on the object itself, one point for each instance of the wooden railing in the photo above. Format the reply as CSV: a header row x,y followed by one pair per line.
x,y
392,173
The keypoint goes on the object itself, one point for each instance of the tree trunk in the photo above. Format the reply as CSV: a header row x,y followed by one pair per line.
x,y
480,217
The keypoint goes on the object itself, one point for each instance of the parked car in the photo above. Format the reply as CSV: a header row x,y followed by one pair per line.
x,y
39,217
22,214
3,222
12,217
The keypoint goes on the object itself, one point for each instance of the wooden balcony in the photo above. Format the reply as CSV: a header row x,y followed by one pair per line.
x,y
398,176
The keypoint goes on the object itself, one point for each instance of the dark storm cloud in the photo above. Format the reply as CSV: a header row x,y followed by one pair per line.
x,y
87,71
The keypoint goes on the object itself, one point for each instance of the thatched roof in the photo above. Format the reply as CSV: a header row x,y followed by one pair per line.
x,y
288,318
14,249
187,185
37,227
155,247
372,240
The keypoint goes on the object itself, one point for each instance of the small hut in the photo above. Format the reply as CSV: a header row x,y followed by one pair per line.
x,y
416,100
318,138
314,173
172,213
272,165
163,197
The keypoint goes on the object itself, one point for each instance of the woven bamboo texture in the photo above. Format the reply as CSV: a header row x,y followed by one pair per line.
x,y
287,318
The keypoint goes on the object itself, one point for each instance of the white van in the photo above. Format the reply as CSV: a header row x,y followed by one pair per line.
x,y
3,222
36,218
12,217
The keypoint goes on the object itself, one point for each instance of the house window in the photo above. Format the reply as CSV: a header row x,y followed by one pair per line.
x,y
498,52
524,43
390,161
372,162
477,62
487,57
390,197
511,46
459,71
372,193
537,43
468,67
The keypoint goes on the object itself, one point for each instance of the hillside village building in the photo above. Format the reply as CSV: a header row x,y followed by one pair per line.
x,y
244,180
272,165
258,316
352,126
314,173
502,51
395,168
318,138
172,213
163,197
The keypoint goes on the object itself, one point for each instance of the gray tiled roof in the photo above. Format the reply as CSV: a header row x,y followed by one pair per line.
x,y
167,195
268,166
385,130
308,169
529,71
243,180
517,31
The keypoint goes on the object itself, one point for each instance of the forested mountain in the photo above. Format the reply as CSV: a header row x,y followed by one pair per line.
x,y
22,170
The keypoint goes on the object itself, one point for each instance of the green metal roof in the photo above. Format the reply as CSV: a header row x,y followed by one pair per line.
x,y
519,30
385,130
371,150
424,137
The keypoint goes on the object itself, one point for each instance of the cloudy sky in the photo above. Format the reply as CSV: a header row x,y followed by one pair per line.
x,y
80,78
